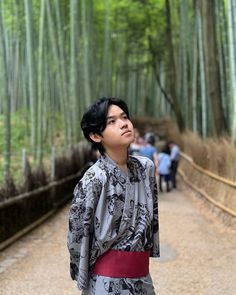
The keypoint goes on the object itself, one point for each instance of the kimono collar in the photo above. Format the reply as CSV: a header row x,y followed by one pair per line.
x,y
113,166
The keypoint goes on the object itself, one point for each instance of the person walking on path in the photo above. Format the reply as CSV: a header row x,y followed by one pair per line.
x,y
164,164
149,150
175,157
113,219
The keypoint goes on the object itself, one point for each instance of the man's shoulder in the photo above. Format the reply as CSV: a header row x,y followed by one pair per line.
x,y
96,171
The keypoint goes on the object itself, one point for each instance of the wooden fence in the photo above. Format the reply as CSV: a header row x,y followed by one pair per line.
x,y
217,190
21,213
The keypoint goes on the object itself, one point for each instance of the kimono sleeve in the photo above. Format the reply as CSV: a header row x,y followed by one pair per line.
x,y
155,226
81,227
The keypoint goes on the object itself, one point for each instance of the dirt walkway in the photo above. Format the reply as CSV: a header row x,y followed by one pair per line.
x,y
197,255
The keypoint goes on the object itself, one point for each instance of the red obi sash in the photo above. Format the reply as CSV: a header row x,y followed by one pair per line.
x,y
122,264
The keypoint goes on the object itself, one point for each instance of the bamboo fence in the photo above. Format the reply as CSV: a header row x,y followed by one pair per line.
x,y
219,191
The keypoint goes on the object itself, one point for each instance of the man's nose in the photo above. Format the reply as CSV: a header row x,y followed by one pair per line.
x,y
123,124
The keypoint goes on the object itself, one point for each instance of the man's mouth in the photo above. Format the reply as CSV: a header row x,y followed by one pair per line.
x,y
127,131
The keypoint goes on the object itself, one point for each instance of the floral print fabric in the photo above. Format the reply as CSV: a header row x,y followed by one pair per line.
x,y
112,209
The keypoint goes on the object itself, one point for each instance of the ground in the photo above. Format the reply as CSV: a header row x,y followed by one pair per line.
x,y
197,254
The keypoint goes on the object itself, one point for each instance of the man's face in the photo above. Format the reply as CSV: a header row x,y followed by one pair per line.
x,y
119,131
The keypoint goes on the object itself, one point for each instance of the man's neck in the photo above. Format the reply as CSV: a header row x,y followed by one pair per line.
x,y
119,157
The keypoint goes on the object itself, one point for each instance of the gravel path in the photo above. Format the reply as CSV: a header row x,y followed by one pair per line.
x,y
197,256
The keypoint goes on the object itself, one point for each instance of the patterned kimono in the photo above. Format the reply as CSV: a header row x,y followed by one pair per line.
x,y
113,209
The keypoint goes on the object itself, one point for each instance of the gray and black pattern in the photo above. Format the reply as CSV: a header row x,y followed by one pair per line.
x,y
112,209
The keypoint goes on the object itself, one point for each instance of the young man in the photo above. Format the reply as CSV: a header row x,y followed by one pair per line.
x,y
113,221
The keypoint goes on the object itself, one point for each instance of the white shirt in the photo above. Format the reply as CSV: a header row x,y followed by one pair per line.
x,y
175,153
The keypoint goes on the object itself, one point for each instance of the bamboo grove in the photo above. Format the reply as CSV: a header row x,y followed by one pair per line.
x,y
164,57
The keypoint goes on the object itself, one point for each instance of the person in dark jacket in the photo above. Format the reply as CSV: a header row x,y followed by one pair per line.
x,y
175,157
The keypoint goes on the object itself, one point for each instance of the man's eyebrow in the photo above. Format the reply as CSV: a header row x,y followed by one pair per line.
x,y
112,117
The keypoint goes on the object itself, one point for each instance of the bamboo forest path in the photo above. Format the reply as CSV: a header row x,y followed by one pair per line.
x,y
197,255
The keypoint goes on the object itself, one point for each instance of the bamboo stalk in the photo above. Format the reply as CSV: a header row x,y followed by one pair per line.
x,y
6,98
31,72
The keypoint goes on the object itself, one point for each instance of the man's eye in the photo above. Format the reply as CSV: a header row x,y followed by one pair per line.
x,y
110,122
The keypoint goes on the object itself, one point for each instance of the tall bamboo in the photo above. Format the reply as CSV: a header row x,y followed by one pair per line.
x,y
63,67
31,72
194,77
6,97
86,77
212,66
232,53
183,61
202,75
73,66
172,69
220,41
41,119
57,85
106,68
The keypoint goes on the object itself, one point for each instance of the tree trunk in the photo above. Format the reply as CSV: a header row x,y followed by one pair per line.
x,y
172,71
212,66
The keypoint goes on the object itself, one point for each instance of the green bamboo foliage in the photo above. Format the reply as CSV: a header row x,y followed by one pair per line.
x,y
73,66
164,106
93,63
221,26
106,67
120,66
57,56
57,85
63,68
172,69
194,77
31,72
183,78
85,40
212,67
5,95
153,94
202,75
132,87
40,87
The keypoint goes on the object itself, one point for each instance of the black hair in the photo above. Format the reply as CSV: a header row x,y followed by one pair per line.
x,y
94,119
150,138
170,142
166,149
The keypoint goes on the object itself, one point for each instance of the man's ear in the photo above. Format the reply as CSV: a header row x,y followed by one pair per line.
x,y
95,137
